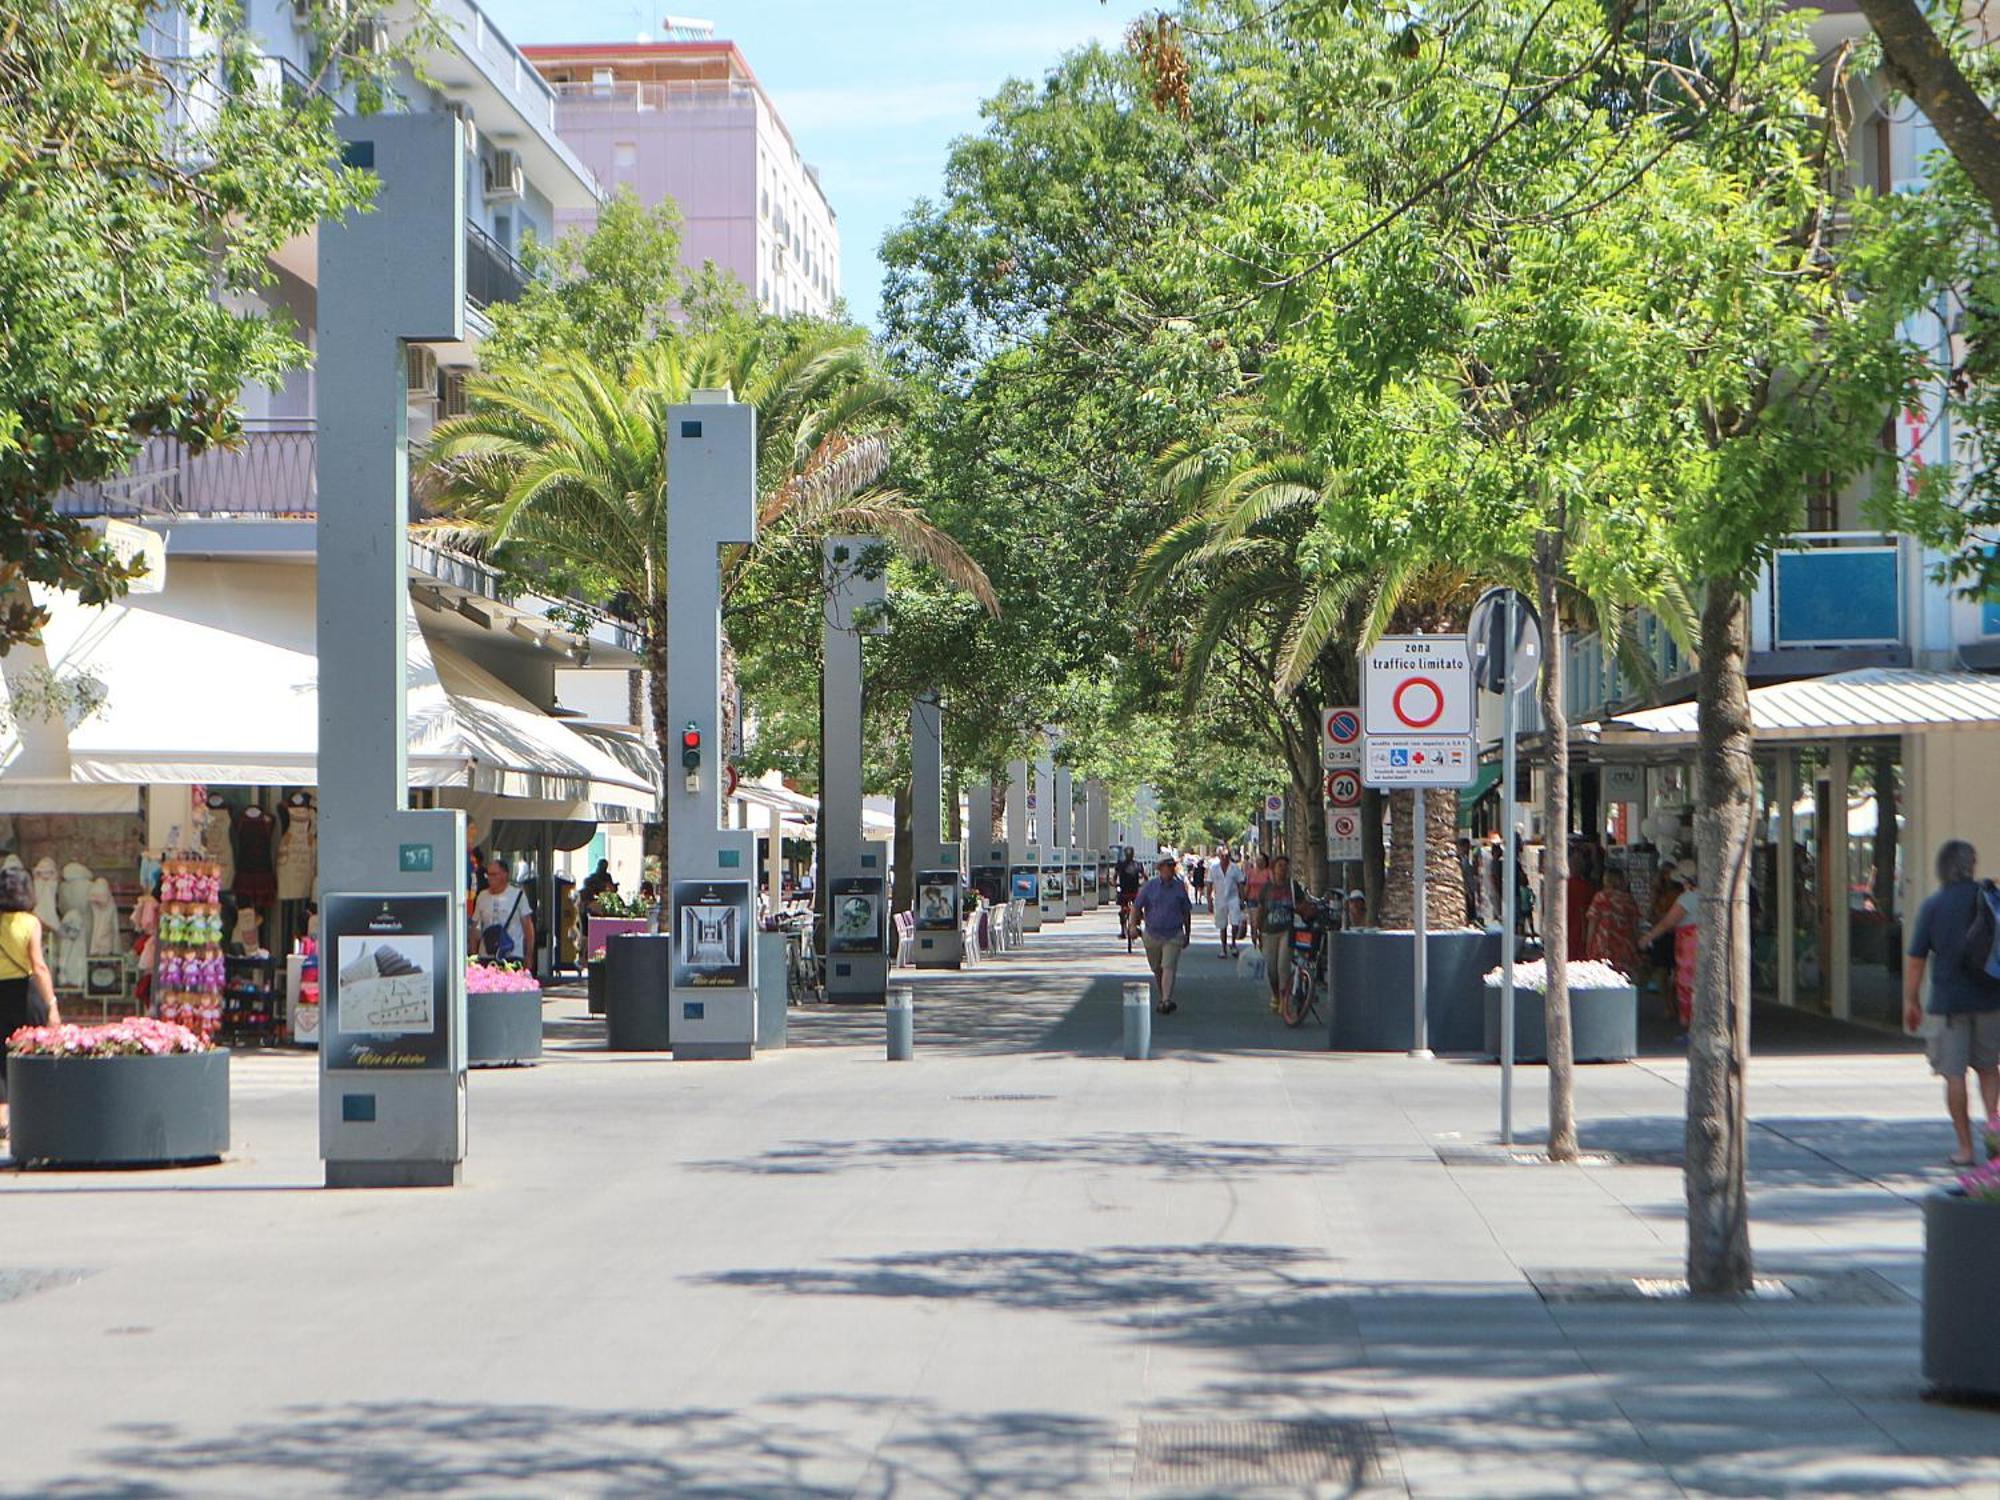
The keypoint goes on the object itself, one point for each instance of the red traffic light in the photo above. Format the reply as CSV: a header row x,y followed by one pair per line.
x,y
690,739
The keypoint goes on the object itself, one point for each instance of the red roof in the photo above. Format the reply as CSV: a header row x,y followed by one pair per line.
x,y
558,52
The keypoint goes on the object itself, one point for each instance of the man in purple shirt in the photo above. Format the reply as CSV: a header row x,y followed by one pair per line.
x,y
1165,912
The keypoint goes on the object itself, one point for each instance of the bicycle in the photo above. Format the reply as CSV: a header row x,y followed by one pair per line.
x,y
1300,996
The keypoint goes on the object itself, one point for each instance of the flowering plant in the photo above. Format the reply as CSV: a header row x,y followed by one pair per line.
x,y
139,1037
498,979
1983,1181
1584,974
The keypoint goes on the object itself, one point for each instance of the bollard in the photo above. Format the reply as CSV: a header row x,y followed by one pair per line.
x,y
1138,1021
902,1014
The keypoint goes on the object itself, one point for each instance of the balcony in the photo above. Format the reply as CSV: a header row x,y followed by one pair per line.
x,y
581,101
1831,600
491,274
269,474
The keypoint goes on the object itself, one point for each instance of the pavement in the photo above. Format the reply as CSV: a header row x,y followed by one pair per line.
x,y
1016,1265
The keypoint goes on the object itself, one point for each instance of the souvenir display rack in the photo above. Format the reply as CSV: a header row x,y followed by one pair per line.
x,y
189,972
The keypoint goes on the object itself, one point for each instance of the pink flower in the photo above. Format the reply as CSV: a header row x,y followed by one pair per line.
x,y
142,1036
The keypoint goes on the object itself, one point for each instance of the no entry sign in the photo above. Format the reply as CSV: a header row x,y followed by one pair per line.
x,y
1417,685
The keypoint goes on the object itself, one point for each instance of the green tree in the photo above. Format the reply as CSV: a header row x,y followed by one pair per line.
x,y
133,187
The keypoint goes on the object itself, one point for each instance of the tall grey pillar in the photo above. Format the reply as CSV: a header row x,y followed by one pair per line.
x,y
853,871
986,848
1023,854
1052,856
940,934
710,904
1097,834
392,1050
1065,838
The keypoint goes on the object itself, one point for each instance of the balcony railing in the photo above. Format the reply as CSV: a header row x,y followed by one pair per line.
x,y
491,274
270,474
624,97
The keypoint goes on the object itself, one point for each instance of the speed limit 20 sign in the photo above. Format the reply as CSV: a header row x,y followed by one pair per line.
x,y
1343,787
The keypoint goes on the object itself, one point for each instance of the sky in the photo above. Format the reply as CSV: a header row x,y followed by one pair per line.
x,y
874,91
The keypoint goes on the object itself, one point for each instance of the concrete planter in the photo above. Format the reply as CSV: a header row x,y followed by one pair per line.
x,y
1961,1314
638,1011
1372,977
597,980
1603,1024
504,1029
599,931
119,1111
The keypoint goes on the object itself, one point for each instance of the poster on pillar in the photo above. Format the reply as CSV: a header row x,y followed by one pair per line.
x,y
1026,884
711,934
1052,886
390,1001
856,907
990,881
937,900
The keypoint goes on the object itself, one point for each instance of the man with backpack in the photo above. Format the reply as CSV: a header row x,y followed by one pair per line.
x,y
1954,939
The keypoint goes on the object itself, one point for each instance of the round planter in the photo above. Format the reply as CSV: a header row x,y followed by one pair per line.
x,y
1961,1314
1372,978
1603,1024
119,1111
503,1029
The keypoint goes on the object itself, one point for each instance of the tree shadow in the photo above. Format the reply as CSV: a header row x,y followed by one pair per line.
x,y
1164,1155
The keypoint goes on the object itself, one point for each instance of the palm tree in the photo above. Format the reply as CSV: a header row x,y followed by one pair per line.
x,y
565,463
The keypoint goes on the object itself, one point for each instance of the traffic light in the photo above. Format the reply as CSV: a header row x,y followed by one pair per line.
x,y
691,755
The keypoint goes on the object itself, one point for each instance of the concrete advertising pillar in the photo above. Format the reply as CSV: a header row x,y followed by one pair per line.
x,y
854,900
1097,834
939,886
1024,856
711,869
1050,853
392,912
986,850
1065,838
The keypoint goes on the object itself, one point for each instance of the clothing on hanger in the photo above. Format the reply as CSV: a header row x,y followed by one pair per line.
x,y
298,850
256,881
218,840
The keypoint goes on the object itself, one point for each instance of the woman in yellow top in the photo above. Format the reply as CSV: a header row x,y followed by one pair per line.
x,y
22,966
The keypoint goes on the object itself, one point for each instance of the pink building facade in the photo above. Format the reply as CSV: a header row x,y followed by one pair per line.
x,y
687,120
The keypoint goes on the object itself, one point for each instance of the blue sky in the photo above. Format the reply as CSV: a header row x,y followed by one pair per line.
x,y
874,90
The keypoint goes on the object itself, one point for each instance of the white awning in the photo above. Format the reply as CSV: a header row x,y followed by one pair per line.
x,y
1860,704
216,681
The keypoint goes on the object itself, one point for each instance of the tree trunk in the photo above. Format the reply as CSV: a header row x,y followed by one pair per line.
x,y
1919,65
1374,859
1444,885
656,687
1718,1250
1555,856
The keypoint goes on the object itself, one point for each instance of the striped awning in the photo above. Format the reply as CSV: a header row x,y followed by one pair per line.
x,y
1861,704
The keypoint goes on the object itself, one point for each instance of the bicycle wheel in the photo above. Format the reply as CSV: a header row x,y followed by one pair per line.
x,y
1297,998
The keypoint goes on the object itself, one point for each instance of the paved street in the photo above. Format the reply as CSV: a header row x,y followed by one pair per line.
x,y
1018,1265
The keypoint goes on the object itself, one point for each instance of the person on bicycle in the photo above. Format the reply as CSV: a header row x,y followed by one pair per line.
x,y
1281,901
1131,875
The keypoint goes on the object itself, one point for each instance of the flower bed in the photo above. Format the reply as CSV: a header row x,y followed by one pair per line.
x,y
1583,973
503,1016
497,979
134,1093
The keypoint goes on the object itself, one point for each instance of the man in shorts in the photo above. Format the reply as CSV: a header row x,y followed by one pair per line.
x,y
1131,875
1166,914
1962,1027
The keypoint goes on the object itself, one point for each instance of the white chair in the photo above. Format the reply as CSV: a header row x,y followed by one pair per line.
x,y
968,938
906,940
1014,933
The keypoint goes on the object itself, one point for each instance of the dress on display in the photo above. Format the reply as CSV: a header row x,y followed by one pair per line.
x,y
216,843
73,958
103,920
256,857
46,886
298,852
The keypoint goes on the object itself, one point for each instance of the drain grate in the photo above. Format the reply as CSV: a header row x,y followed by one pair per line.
x,y
1207,1455
1836,1288
1002,1098
25,1282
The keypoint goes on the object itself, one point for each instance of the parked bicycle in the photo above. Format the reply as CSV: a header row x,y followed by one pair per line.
x,y
1309,947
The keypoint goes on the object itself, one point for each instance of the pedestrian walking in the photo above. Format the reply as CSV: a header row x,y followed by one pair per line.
x,y
503,924
1278,906
27,990
1198,876
1611,926
1682,923
1659,952
1961,1025
1166,917
1228,889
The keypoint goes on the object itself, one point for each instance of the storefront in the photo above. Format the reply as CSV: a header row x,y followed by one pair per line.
x,y
198,756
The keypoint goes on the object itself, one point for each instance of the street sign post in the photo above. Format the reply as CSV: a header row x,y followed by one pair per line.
x,y
1340,737
1417,725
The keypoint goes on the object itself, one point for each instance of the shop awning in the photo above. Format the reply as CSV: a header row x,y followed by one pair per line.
x,y
216,681
1867,702
1468,797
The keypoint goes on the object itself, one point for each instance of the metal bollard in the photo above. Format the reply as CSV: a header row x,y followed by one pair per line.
x,y
902,1013
1138,1022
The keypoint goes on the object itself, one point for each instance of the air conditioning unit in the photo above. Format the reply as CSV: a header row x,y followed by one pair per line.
x,y
454,402
421,383
504,180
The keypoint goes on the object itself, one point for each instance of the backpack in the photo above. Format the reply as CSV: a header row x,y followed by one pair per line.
x,y
1978,957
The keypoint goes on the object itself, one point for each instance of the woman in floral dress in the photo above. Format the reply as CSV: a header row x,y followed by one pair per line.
x,y
1611,926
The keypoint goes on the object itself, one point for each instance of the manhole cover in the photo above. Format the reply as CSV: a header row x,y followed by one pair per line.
x,y
25,1282
1002,1098
1842,1288
1231,1455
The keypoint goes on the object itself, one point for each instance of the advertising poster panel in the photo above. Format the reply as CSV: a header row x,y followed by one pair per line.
x,y
854,904
712,924
991,883
1026,884
938,900
387,990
